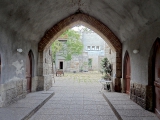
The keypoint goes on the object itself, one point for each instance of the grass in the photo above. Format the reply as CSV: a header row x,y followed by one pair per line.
x,y
87,77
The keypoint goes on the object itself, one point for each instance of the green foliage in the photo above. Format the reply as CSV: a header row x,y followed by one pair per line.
x,y
56,47
90,62
84,64
106,68
73,46
71,35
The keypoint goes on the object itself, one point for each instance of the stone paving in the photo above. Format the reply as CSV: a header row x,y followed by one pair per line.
x,y
127,109
76,99
24,107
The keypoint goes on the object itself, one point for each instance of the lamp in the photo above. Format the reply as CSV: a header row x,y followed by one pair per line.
x,y
19,50
135,51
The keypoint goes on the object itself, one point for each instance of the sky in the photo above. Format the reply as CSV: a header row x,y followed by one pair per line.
x,y
78,28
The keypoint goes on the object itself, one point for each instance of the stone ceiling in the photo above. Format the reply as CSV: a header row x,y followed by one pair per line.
x,y
31,18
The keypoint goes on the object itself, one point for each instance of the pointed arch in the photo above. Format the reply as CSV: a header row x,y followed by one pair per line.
x,y
127,72
82,19
32,60
29,70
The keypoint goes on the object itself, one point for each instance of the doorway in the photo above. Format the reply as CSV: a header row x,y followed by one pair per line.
x,y
29,72
127,72
61,65
157,78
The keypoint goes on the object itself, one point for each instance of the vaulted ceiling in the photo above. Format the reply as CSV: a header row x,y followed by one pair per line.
x,y
31,18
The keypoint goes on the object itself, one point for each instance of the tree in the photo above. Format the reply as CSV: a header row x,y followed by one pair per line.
x,y
73,46
56,47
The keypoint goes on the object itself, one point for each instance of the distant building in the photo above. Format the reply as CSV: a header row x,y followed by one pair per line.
x,y
95,49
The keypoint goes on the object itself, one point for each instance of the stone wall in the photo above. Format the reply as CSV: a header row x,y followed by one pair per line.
x,y
13,91
142,95
138,94
47,69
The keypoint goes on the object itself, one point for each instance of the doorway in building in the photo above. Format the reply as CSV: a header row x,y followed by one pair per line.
x,y
61,65
157,78
29,72
127,72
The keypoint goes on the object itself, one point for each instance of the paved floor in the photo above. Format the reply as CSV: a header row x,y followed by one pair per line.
x,y
25,107
76,100
77,97
127,109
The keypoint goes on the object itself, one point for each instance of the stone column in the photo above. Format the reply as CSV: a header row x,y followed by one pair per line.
x,y
40,77
118,71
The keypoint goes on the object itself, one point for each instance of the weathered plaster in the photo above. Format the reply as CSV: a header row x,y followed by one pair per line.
x,y
19,66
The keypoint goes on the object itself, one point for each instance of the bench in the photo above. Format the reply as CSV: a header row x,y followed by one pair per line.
x,y
59,72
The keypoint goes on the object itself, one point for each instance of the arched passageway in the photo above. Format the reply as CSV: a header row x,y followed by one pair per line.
x,y
53,33
29,66
127,72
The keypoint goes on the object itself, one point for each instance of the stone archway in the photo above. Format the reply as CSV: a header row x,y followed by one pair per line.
x,y
54,32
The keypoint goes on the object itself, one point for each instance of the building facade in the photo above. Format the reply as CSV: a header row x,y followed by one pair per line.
x,y
94,50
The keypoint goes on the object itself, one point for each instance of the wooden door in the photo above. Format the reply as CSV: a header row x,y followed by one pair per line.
x,y
157,81
127,72
29,72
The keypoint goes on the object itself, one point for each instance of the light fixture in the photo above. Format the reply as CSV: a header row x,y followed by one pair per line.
x,y
19,50
135,51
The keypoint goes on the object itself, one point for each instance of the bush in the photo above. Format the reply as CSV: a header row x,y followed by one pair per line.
x,y
106,68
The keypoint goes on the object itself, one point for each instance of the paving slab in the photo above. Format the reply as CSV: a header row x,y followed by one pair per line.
x,y
76,101
126,108
23,108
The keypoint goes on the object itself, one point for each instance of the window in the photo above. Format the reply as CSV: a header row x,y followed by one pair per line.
x,y
97,48
49,52
110,51
93,47
88,48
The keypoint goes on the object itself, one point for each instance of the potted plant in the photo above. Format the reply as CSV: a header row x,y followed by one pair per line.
x,y
106,69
